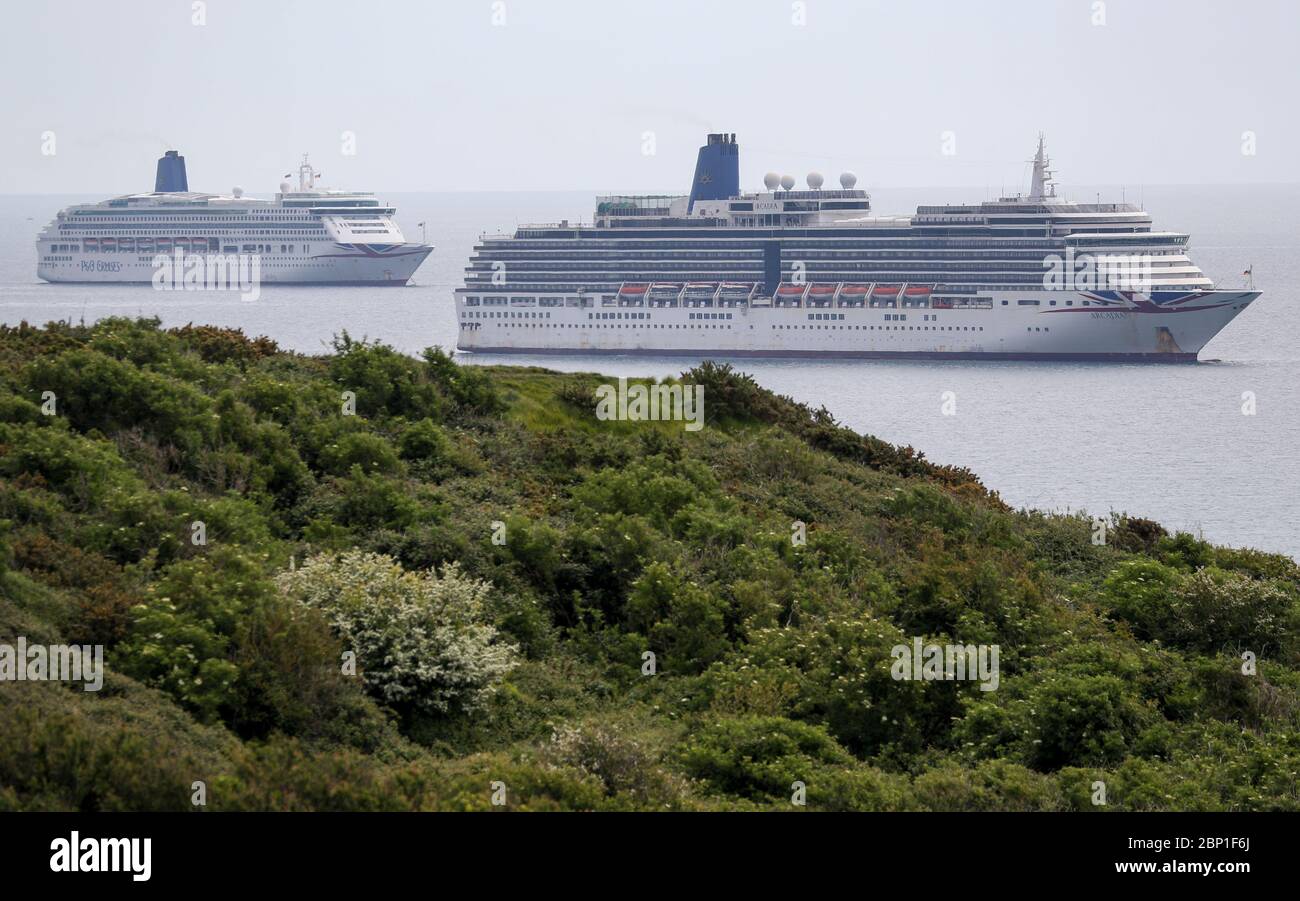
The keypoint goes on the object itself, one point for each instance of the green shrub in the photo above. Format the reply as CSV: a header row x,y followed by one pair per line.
x,y
759,758
423,441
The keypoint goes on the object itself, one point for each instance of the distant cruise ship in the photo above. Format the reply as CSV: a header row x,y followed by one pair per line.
x,y
786,273
303,236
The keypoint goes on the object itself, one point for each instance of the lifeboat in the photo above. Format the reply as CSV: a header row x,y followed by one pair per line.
x,y
918,291
164,245
737,291
108,245
700,293
664,294
790,295
886,290
821,295
126,245
634,290
853,295
90,245
144,245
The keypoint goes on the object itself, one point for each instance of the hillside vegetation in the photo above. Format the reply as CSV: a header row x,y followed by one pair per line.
x,y
450,596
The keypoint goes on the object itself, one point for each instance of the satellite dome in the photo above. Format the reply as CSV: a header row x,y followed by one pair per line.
x,y
284,187
815,180
771,180
848,180
787,181
237,191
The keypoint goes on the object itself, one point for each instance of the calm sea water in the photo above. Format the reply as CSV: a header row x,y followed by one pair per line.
x,y
1168,442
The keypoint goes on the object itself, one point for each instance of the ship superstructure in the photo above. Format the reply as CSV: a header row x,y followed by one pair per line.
x,y
785,272
305,235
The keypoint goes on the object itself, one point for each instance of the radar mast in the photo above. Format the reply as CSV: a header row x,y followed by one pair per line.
x,y
1043,184
307,175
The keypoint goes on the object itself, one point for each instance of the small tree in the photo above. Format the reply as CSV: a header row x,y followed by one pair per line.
x,y
422,639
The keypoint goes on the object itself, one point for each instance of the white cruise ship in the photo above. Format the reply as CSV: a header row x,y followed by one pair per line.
x,y
303,236
787,273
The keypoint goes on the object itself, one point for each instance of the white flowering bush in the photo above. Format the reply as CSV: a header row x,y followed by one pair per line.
x,y
421,638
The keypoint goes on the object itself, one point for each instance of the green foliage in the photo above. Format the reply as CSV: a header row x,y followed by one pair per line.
x,y
384,381
1207,610
760,758
423,441
524,661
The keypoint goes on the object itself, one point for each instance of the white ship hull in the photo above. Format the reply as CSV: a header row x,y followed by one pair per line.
x,y
1111,326
329,265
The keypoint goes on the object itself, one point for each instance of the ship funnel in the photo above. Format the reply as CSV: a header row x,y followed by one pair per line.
x,y
171,173
717,170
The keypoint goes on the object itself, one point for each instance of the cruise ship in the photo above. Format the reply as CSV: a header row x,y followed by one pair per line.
x,y
790,273
303,236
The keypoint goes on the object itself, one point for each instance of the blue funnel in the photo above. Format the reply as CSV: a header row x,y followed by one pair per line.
x,y
717,170
171,173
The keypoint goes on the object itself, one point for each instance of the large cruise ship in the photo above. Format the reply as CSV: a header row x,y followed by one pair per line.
x,y
307,235
814,272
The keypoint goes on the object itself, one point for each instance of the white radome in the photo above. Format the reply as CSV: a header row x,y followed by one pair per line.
x,y
787,181
771,180
815,180
848,180
236,191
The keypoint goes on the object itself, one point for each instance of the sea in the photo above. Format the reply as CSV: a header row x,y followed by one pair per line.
x,y
1211,448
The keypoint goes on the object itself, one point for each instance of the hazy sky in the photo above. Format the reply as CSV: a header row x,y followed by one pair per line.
x,y
561,94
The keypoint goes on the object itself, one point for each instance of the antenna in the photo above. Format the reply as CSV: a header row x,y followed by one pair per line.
x,y
306,175
1042,184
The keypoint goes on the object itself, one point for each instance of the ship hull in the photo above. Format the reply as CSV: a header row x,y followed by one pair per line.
x,y
393,268
1045,325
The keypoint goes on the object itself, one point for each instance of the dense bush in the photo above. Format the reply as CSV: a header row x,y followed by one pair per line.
x,y
499,565
421,639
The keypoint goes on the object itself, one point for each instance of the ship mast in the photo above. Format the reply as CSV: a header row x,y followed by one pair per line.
x,y
306,175
1042,186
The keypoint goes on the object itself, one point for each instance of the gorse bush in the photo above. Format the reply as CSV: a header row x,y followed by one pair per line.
x,y
420,638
